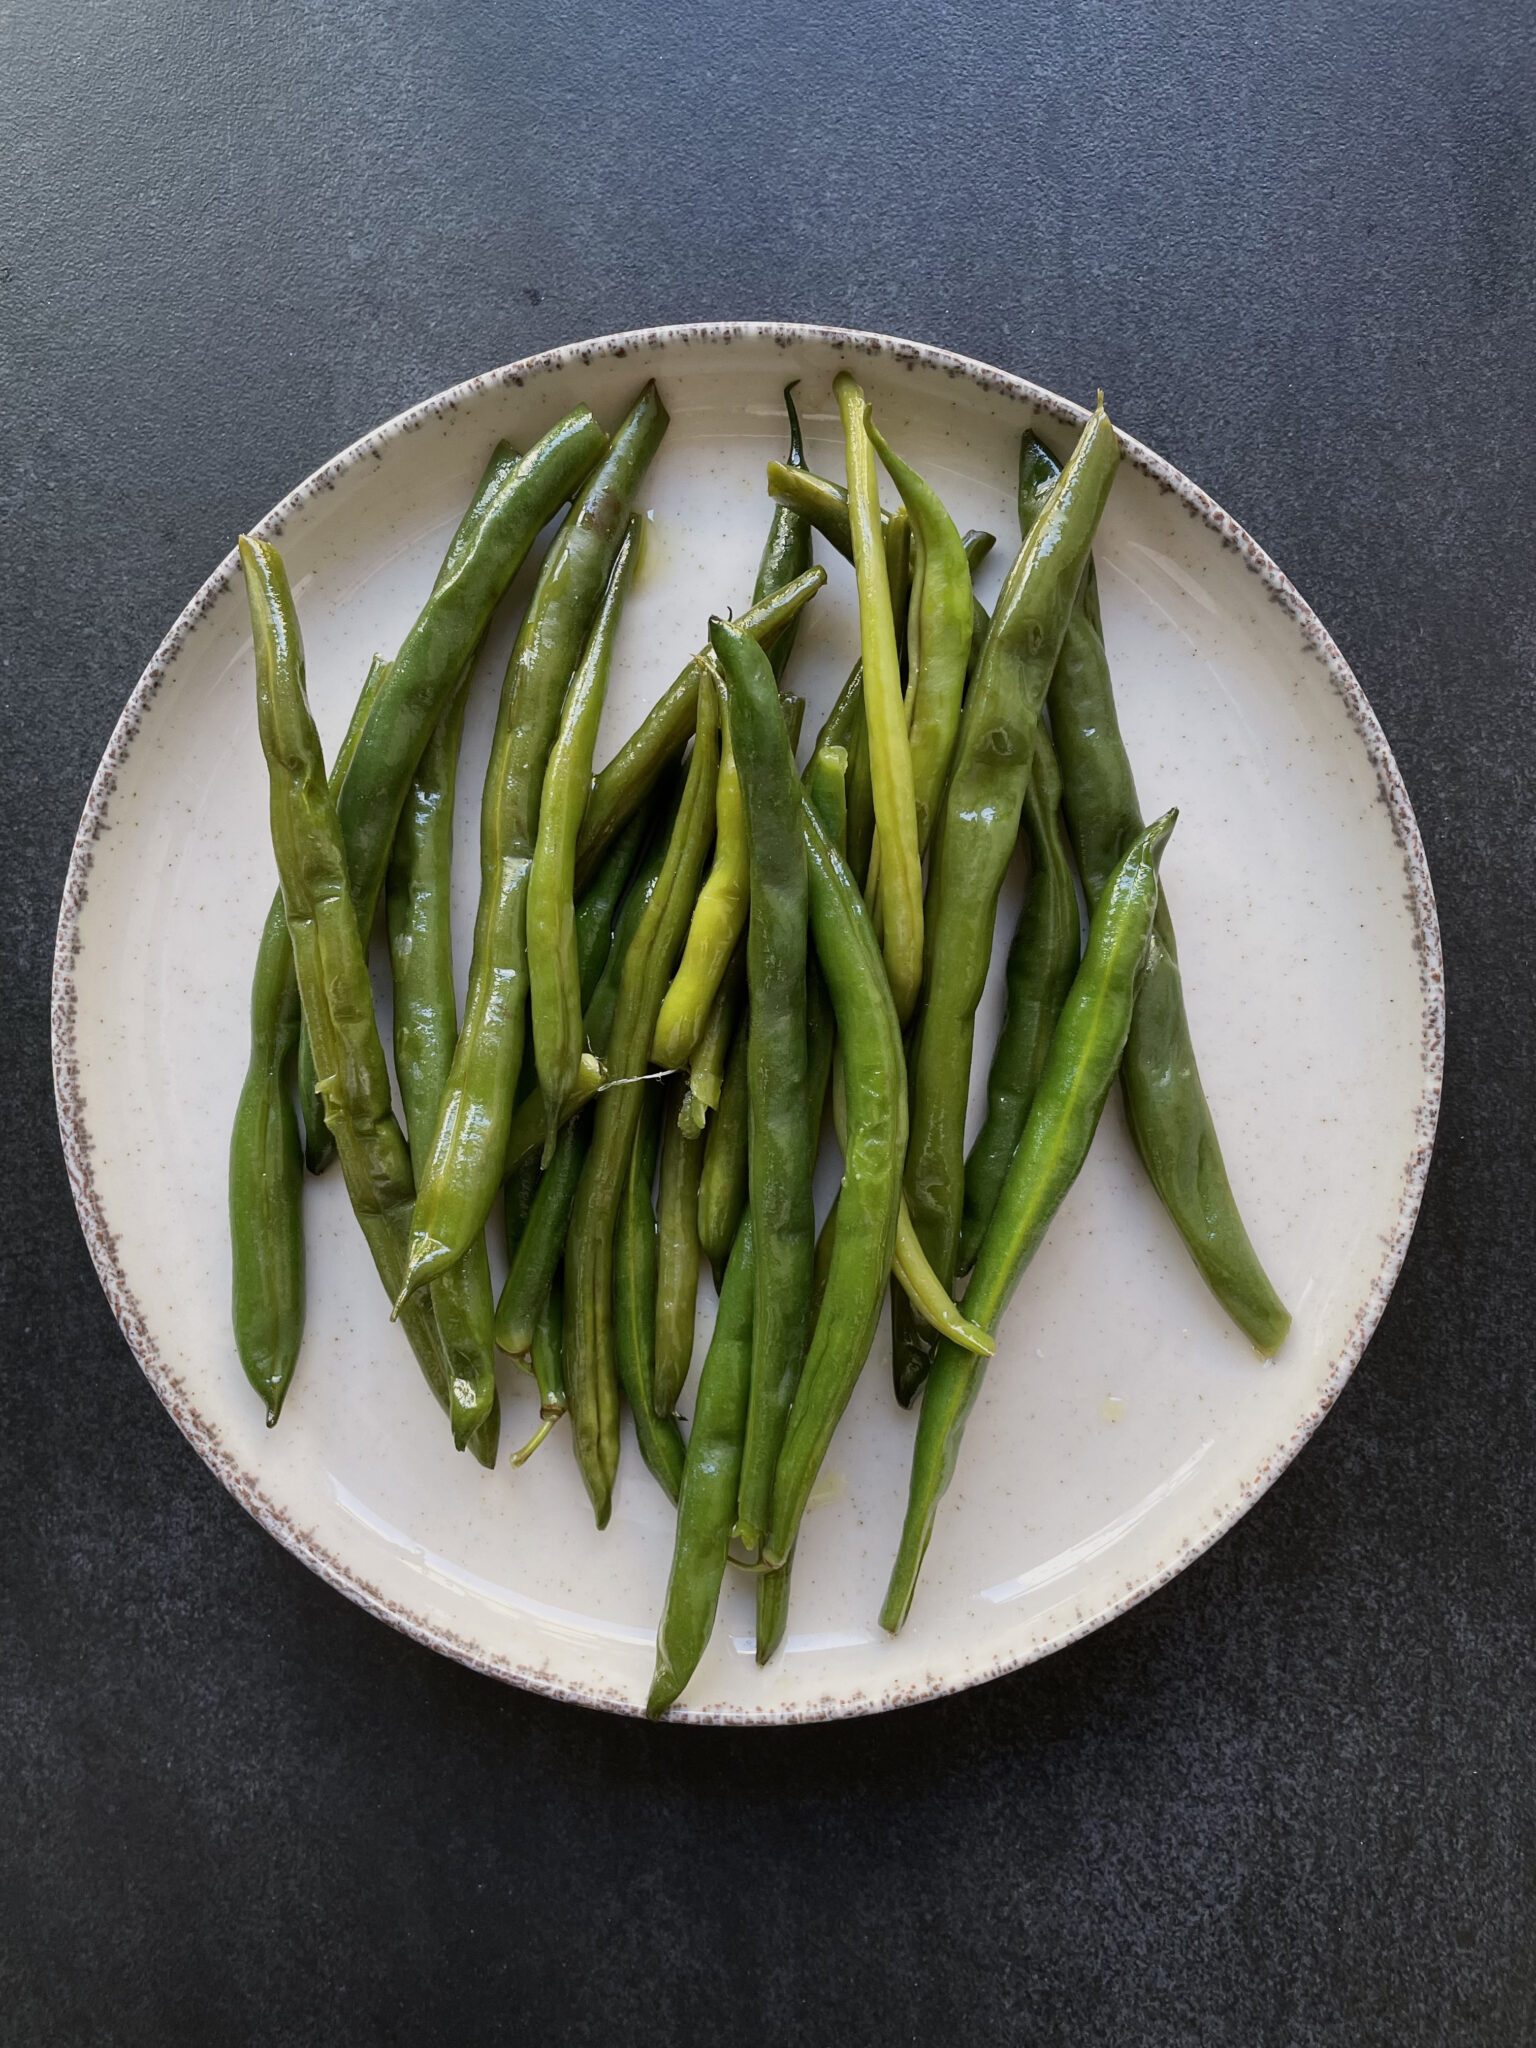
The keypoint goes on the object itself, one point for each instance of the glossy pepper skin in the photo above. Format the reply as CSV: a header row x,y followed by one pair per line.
x,y
979,825
266,1157
470,1145
658,741
778,1149
706,1508
1084,1058
874,1083
417,898
329,962
1170,1119
591,1376
1041,963
497,474
554,971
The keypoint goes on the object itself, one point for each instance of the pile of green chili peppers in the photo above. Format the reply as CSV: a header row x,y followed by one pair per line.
x,y
686,965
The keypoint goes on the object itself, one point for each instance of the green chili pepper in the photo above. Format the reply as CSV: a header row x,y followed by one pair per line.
x,y
266,1160
677,1251
723,1176
890,755
318,1146
590,1372
787,550
1085,1054
554,972
425,1026
874,1086
1169,1116
634,1301
329,962
706,1507
470,1146
778,1154
667,727
978,826
1041,963
706,1063
548,1371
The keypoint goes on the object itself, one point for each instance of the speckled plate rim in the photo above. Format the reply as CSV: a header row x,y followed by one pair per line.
x,y
75,1129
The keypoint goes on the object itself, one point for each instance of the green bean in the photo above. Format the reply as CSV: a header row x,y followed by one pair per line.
x,y
723,1176
634,1301
772,1609
1170,1119
548,1371
667,727
531,1271
591,1376
706,1507
978,826
416,893
430,663
266,1161
1041,963
470,1145
890,755
518,1191
1085,1054
778,1154
498,473
874,1084
826,790
706,1063
719,919
938,635
677,1251
329,963
787,550
554,971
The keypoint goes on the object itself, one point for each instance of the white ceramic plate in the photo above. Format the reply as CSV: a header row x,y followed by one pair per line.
x,y
1124,1425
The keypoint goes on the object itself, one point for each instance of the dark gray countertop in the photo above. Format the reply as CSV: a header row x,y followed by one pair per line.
x,y
1289,1798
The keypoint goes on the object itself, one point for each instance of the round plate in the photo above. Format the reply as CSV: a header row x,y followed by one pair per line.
x,y
1124,1424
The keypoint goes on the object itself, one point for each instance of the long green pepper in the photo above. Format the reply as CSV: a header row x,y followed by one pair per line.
x,y
1085,1055
469,1149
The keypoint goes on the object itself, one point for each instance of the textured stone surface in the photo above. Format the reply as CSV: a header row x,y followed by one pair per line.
x,y
1289,1799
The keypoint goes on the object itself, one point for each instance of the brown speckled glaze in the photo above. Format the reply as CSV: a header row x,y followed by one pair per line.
x,y
566,364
